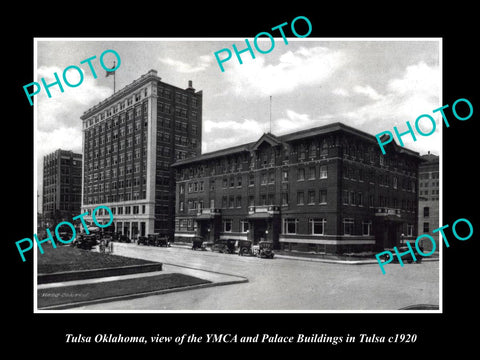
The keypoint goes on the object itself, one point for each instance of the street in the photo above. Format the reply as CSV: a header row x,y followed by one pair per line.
x,y
284,284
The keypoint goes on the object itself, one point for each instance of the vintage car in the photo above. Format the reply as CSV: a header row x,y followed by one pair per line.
x,y
142,240
245,247
86,242
226,246
123,239
265,249
157,240
198,243
407,258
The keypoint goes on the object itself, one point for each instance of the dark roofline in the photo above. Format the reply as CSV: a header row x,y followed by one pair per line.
x,y
151,75
298,135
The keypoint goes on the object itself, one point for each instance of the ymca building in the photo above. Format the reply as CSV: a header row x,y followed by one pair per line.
x,y
327,189
129,142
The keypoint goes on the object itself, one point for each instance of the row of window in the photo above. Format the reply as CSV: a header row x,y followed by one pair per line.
x,y
108,198
180,97
125,116
428,184
426,176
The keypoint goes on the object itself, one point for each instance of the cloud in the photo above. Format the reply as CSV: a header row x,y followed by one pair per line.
x,y
367,91
295,121
224,134
294,69
63,109
183,67
340,92
415,93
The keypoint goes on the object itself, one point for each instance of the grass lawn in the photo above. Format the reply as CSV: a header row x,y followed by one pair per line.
x,y
102,290
67,258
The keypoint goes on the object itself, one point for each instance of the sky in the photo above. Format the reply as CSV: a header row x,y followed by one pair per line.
x,y
369,84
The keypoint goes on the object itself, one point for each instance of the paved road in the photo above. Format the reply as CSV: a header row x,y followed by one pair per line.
x,y
285,284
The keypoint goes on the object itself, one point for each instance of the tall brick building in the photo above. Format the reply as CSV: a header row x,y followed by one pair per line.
x,y
327,189
62,186
429,194
129,142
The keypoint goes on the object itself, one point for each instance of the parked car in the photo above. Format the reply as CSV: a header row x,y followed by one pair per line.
x,y
245,247
86,242
124,239
226,246
407,258
197,243
265,250
142,240
157,240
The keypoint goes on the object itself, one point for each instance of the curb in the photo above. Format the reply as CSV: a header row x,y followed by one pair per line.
x,y
97,273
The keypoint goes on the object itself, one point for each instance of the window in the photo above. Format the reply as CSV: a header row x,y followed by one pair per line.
x,y
323,196
317,226
231,202
271,199
227,225
301,174
251,180
263,199
271,177
311,173
409,230
311,197
290,226
263,179
348,226
366,228
300,198
284,175
360,199
324,149
323,172
251,200
244,226
346,197
238,202
426,212
284,199
426,227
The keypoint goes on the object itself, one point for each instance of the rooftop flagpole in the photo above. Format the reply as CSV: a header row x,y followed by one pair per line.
x,y
112,73
270,114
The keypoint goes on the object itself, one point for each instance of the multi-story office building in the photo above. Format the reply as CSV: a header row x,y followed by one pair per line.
x,y
428,202
129,142
327,189
62,186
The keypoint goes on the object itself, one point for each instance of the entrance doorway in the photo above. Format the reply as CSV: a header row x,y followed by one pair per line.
x,y
259,230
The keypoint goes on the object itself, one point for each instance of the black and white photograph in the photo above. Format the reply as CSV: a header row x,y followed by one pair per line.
x,y
258,187
244,183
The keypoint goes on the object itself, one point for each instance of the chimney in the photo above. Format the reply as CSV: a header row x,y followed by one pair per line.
x,y
190,86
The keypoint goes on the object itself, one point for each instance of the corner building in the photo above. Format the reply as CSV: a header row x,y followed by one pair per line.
x,y
328,189
129,142
62,185
428,203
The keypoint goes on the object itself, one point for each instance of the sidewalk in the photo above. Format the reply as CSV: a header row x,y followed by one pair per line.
x,y
318,257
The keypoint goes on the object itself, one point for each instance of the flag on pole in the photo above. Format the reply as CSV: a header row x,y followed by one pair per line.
x,y
111,72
